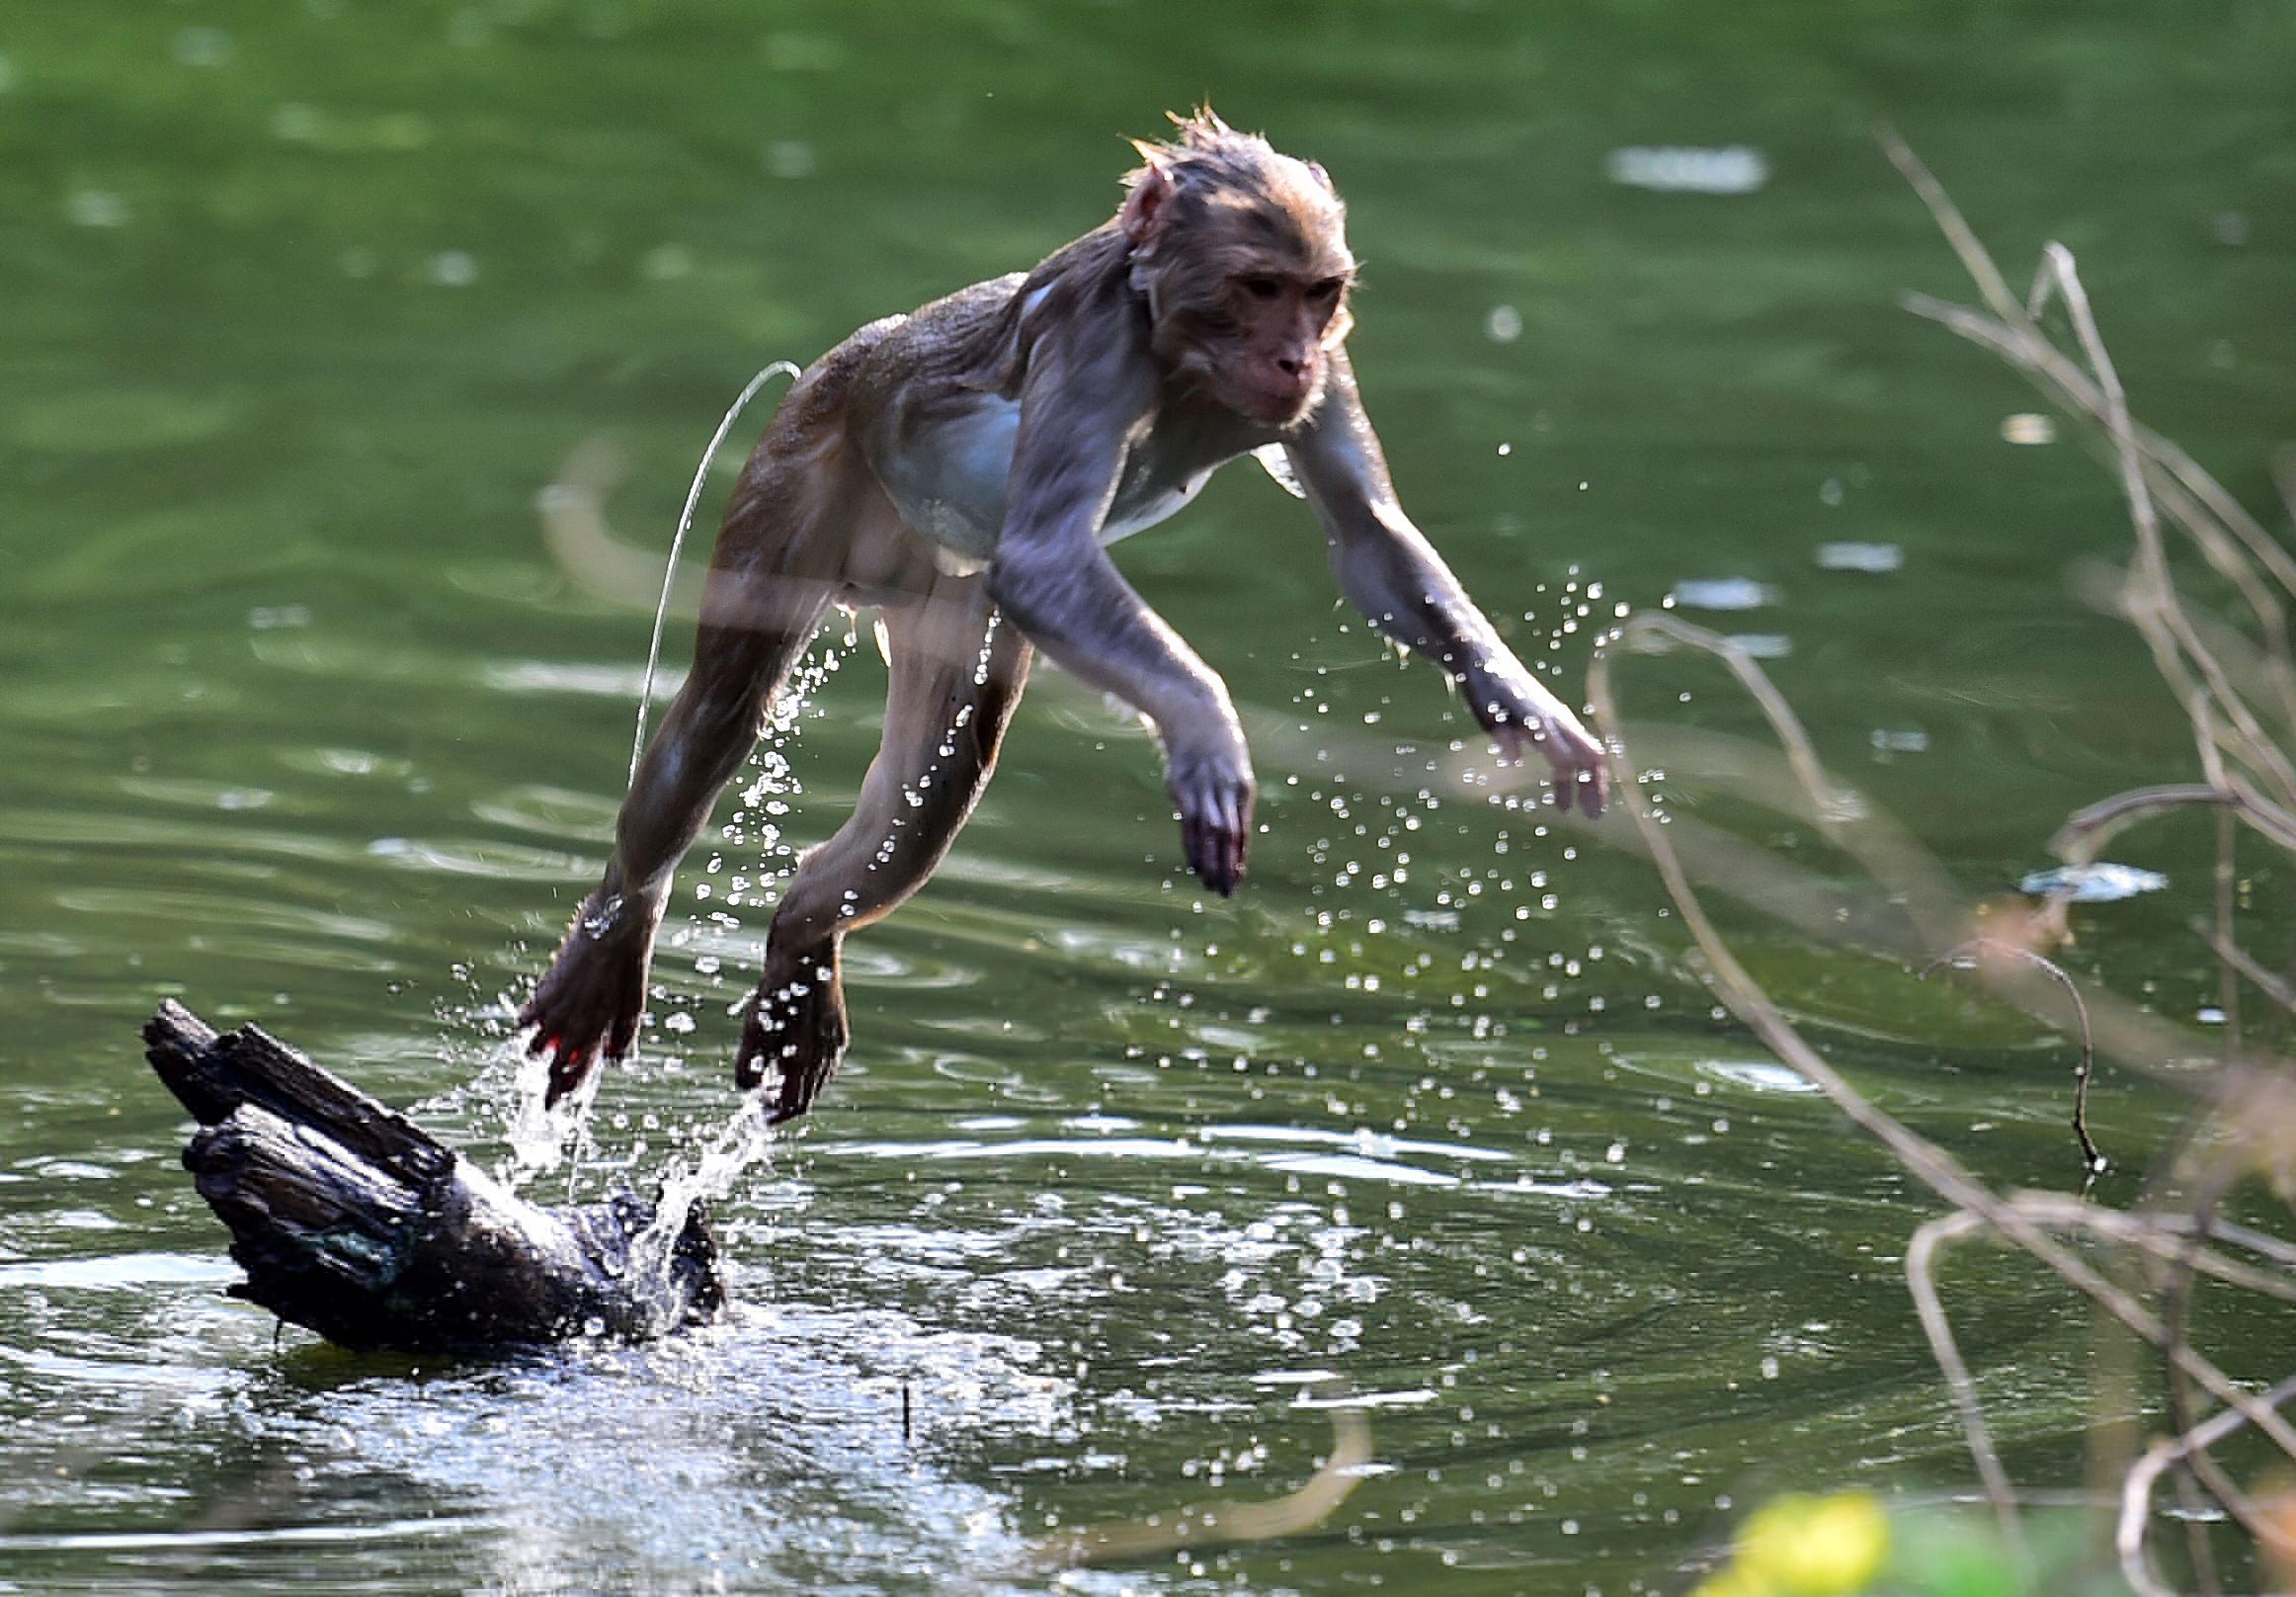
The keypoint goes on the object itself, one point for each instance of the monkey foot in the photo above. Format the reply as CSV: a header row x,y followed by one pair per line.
x,y
585,1008
795,1032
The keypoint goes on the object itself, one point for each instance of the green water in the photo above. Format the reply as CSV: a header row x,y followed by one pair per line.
x,y
300,305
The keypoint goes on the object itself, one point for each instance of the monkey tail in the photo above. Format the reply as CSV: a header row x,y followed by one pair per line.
x,y
733,412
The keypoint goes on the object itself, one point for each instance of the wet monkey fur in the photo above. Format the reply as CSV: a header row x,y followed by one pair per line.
x,y
963,468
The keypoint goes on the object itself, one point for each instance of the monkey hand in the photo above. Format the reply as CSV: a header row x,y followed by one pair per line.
x,y
1213,791
1516,712
585,1008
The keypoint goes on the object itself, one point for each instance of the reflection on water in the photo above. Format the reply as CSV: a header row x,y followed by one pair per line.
x,y
299,720
1876,558
1723,593
1675,170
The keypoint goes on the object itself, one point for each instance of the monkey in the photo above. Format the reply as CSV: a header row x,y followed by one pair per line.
x,y
963,468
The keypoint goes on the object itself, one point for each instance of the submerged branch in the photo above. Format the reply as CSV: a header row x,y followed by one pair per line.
x,y
1223,1524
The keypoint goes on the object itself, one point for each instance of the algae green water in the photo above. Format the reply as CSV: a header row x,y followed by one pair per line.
x,y
302,304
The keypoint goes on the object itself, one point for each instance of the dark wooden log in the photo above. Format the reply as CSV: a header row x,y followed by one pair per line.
x,y
351,1220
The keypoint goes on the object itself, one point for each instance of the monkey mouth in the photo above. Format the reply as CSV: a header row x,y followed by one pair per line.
x,y
1279,407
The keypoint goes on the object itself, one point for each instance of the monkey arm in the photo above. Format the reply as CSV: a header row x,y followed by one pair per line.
x,y
1052,579
1075,607
1389,571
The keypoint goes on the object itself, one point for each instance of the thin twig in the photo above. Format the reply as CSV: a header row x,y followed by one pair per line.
x,y
1921,1282
2092,1161
2228,982
2084,833
2162,619
2163,1234
2198,1467
2136,1492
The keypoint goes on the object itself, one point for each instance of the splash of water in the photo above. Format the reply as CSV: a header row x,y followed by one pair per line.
x,y
744,1142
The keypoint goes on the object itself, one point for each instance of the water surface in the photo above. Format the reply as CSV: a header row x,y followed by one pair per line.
x,y
300,307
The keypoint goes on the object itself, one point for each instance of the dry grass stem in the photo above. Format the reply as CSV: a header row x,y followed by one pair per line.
x,y
2235,683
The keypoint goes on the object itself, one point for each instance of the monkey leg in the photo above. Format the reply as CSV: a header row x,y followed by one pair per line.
x,y
784,552
588,1003
956,673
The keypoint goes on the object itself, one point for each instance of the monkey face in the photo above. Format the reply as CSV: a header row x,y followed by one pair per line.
x,y
1275,371
1242,255
1279,268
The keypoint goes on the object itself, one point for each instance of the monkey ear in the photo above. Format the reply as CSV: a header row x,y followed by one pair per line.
x,y
1316,170
1151,188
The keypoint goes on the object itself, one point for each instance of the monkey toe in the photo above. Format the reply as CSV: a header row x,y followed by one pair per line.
x,y
626,1032
576,1033
1214,844
1212,856
570,1070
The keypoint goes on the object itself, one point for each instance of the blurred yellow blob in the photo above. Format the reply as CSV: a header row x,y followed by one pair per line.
x,y
1730,1582
1807,1546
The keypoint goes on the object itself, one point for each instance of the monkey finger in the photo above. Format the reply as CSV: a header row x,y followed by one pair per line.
x,y
569,1069
1219,869
1212,854
1214,870
1200,840
1581,773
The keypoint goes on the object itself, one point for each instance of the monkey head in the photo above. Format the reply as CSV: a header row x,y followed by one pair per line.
x,y
1242,256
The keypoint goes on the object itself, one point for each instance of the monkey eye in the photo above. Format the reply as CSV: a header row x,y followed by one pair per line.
x,y
1327,289
1262,287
